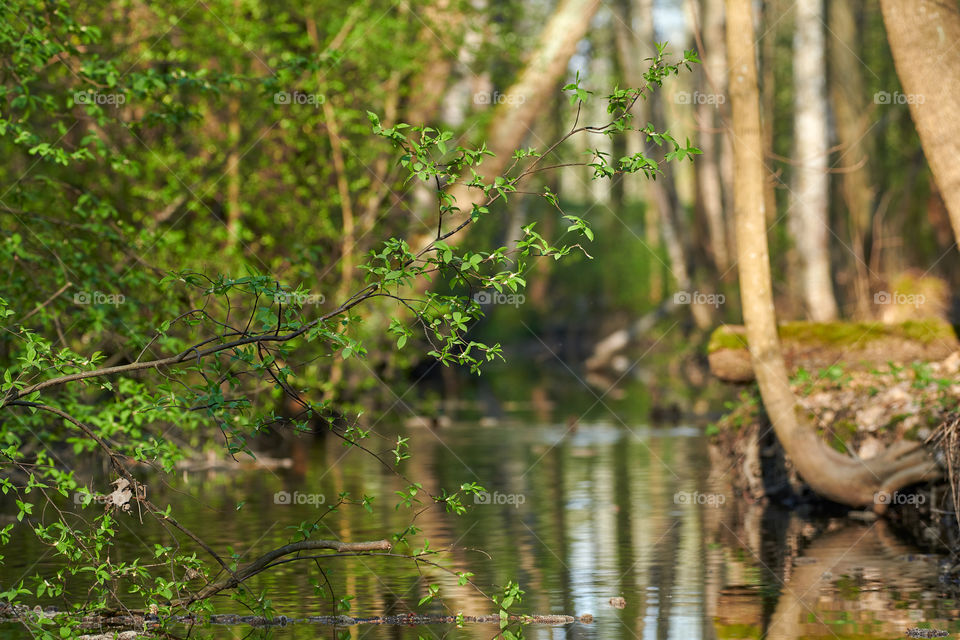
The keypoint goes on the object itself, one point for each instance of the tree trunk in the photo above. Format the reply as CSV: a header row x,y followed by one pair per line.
x,y
233,208
771,13
923,37
631,50
662,194
848,96
811,195
527,99
600,76
347,220
641,15
828,472
709,184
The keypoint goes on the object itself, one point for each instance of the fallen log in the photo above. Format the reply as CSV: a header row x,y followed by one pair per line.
x,y
129,627
815,346
605,351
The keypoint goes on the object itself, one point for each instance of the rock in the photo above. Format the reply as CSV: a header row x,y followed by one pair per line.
x,y
815,346
951,364
870,447
895,396
870,417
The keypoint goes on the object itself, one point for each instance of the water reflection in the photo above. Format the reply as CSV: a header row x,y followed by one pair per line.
x,y
582,512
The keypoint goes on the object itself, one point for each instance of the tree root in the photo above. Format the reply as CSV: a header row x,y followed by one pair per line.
x,y
922,471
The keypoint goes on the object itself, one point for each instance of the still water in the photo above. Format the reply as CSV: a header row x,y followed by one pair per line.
x,y
612,505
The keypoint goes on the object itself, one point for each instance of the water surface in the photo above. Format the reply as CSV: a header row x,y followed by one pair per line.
x,y
610,505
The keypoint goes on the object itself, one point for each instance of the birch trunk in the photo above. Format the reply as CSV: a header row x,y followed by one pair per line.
x,y
811,194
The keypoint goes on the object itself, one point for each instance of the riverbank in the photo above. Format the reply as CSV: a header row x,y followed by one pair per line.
x,y
859,413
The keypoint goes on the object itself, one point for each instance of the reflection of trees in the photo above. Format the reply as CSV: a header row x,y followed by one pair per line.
x,y
774,576
431,466
846,570
600,521
659,561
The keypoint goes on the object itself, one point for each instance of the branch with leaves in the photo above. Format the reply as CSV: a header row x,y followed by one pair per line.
x,y
257,326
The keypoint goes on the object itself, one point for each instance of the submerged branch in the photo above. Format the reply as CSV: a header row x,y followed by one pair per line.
x,y
265,561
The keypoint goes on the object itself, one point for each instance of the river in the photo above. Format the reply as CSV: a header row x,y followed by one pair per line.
x,y
589,499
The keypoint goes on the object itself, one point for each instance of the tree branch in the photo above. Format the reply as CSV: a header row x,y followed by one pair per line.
x,y
264,562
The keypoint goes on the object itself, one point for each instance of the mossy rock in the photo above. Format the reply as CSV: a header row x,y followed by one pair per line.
x,y
854,344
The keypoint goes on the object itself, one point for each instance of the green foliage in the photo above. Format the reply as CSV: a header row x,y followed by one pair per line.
x,y
148,313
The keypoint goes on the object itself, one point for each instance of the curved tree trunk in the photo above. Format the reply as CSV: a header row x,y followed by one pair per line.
x,y
811,189
923,37
841,551
828,472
